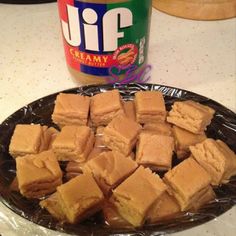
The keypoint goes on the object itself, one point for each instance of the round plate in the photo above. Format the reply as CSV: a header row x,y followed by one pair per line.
x,y
223,127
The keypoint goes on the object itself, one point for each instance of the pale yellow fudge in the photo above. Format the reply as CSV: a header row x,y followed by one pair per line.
x,y
191,116
73,143
135,197
217,158
38,174
31,139
205,198
155,151
165,208
110,169
150,107
80,198
71,109
188,181
121,134
75,168
105,106
184,139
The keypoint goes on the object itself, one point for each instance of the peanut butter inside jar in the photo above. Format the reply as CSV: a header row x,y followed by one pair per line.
x,y
105,41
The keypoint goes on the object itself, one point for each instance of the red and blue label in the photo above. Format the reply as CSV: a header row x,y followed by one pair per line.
x,y
100,36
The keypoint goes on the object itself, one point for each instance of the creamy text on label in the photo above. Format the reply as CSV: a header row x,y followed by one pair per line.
x,y
112,21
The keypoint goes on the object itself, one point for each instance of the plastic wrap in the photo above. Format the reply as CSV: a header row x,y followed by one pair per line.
x,y
223,127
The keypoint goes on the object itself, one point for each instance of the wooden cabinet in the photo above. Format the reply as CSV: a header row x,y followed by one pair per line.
x,y
198,9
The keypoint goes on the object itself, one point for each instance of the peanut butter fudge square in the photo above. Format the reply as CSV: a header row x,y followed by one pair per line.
x,y
217,158
30,139
188,181
208,196
184,139
80,198
162,128
150,107
165,208
73,143
105,106
191,116
155,151
74,168
52,205
135,197
110,169
71,109
38,175
121,134
129,109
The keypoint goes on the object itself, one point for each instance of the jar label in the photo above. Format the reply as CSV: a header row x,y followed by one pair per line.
x,y
99,37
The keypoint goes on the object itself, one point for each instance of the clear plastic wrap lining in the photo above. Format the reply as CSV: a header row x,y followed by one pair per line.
x,y
223,127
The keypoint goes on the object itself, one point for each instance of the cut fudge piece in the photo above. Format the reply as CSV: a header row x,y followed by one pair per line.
x,y
110,169
150,107
208,196
162,128
105,106
136,195
80,198
51,204
31,139
74,168
73,143
188,181
38,174
129,109
121,134
184,139
217,158
71,109
155,151
165,208
112,217
191,116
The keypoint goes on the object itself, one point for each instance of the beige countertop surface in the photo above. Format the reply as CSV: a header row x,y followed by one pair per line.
x,y
193,55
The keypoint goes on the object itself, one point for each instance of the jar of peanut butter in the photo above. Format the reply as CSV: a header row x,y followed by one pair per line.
x,y
103,39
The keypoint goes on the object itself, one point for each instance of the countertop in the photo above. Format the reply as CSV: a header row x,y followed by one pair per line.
x,y
194,55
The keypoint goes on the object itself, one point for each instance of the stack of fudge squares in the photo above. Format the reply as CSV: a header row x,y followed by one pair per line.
x,y
114,150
